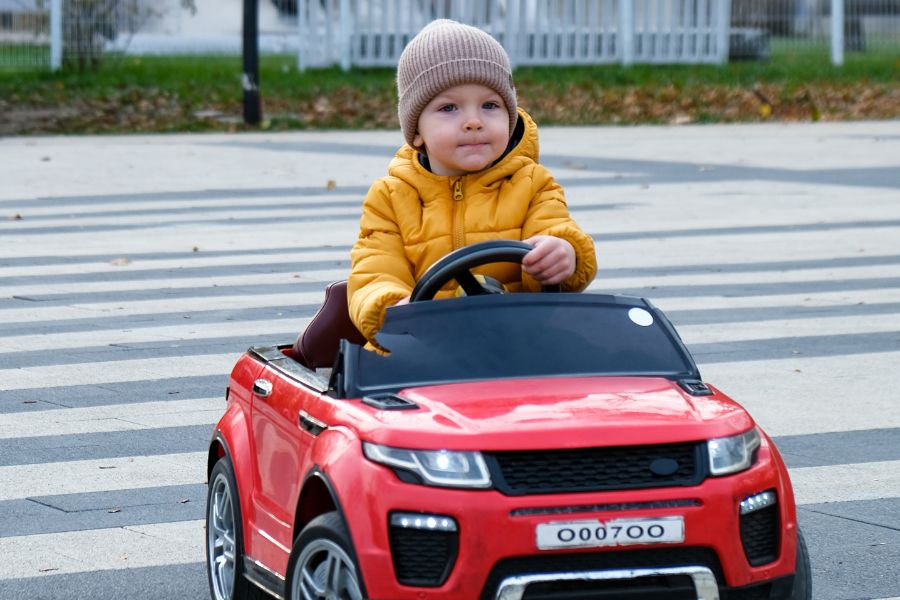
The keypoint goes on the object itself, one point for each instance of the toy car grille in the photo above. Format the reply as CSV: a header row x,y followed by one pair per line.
x,y
422,557
592,469
759,535
586,561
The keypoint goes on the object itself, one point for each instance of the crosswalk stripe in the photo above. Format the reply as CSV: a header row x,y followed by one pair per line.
x,y
764,330
113,417
166,285
169,333
846,483
797,396
116,371
196,260
101,475
128,547
97,310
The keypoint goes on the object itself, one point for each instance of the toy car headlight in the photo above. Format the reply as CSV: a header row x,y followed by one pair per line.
x,y
434,467
733,454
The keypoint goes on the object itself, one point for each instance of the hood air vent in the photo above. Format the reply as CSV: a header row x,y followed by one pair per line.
x,y
389,402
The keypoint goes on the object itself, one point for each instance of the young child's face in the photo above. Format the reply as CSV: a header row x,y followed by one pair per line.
x,y
464,129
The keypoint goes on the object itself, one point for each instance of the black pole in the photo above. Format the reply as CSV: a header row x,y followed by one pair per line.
x,y
250,80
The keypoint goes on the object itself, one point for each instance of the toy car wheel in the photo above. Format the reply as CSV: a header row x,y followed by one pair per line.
x,y
224,538
803,576
322,565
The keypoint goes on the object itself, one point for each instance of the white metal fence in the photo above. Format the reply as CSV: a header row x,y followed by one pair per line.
x,y
534,32
373,32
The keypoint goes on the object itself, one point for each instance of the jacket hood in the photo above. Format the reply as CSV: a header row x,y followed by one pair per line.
x,y
406,165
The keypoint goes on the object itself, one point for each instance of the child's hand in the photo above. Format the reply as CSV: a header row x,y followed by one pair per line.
x,y
551,261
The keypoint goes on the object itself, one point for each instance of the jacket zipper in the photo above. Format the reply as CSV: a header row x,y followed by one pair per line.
x,y
459,215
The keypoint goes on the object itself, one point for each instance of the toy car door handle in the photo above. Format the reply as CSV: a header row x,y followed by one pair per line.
x,y
262,388
310,423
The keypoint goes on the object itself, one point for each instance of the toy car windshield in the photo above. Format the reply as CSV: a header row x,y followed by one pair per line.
x,y
516,336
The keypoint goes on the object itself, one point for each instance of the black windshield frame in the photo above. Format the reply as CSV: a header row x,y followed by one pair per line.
x,y
514,336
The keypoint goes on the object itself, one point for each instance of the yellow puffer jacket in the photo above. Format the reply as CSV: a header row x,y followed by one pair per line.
x,y
412,218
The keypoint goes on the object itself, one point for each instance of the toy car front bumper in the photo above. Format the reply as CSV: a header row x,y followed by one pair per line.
x,y
491,551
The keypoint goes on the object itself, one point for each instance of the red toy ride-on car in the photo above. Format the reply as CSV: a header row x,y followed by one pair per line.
x,y
510,447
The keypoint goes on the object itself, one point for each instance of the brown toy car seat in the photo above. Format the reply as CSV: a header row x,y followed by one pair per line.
x,y
317,345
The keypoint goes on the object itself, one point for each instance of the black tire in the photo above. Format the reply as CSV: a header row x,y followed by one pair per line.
x,y
323,563
803,575
225,538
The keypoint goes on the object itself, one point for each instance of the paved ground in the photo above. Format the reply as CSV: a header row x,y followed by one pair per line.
x,y
134,271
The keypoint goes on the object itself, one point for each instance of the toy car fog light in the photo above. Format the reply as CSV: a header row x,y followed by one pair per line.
x,y
423,521
732,454
434,467
758,501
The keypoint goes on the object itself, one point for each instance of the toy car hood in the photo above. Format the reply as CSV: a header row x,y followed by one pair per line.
x,y
553,413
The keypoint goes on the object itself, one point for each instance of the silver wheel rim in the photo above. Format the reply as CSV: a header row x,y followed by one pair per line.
x,y
324,572
220,538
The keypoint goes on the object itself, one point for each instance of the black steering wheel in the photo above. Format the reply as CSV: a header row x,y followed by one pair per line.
x,y
458,265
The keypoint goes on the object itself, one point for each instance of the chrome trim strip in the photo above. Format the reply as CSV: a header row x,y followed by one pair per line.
x,y
275,358
513,588
264,578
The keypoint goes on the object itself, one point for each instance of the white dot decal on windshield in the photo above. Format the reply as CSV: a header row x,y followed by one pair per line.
x,y
640,317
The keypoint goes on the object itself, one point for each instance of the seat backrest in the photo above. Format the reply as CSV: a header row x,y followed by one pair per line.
x,y
317,345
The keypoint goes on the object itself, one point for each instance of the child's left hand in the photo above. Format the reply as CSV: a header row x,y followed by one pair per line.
x,y
552,260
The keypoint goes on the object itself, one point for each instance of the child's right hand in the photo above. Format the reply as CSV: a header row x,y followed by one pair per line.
x,y
552,260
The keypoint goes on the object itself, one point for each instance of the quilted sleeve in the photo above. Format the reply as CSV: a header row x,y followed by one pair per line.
x,y
549,215
380,273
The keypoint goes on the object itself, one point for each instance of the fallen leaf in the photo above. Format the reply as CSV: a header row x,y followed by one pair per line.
x,y
196,249
47,569
120,262
114,510
15,217
184,500
107,466
331,185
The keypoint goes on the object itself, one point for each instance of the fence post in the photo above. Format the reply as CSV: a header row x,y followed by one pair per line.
x,y
512,31
56,38
837,32
302,36
723,31
346,32
626,31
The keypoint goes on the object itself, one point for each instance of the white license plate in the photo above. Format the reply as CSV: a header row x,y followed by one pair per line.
x,y
617,532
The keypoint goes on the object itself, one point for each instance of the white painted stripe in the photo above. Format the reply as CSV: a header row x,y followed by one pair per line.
x,y
323,276
135,546
211,202
98,310
101,475
803,395
328,275
188,331
140,307
195,260
163,219
118,371
762,277
846,483
691,334
809,300
115,417
764,330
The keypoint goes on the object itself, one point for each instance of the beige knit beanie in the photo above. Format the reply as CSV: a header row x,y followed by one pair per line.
x,y
444,54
